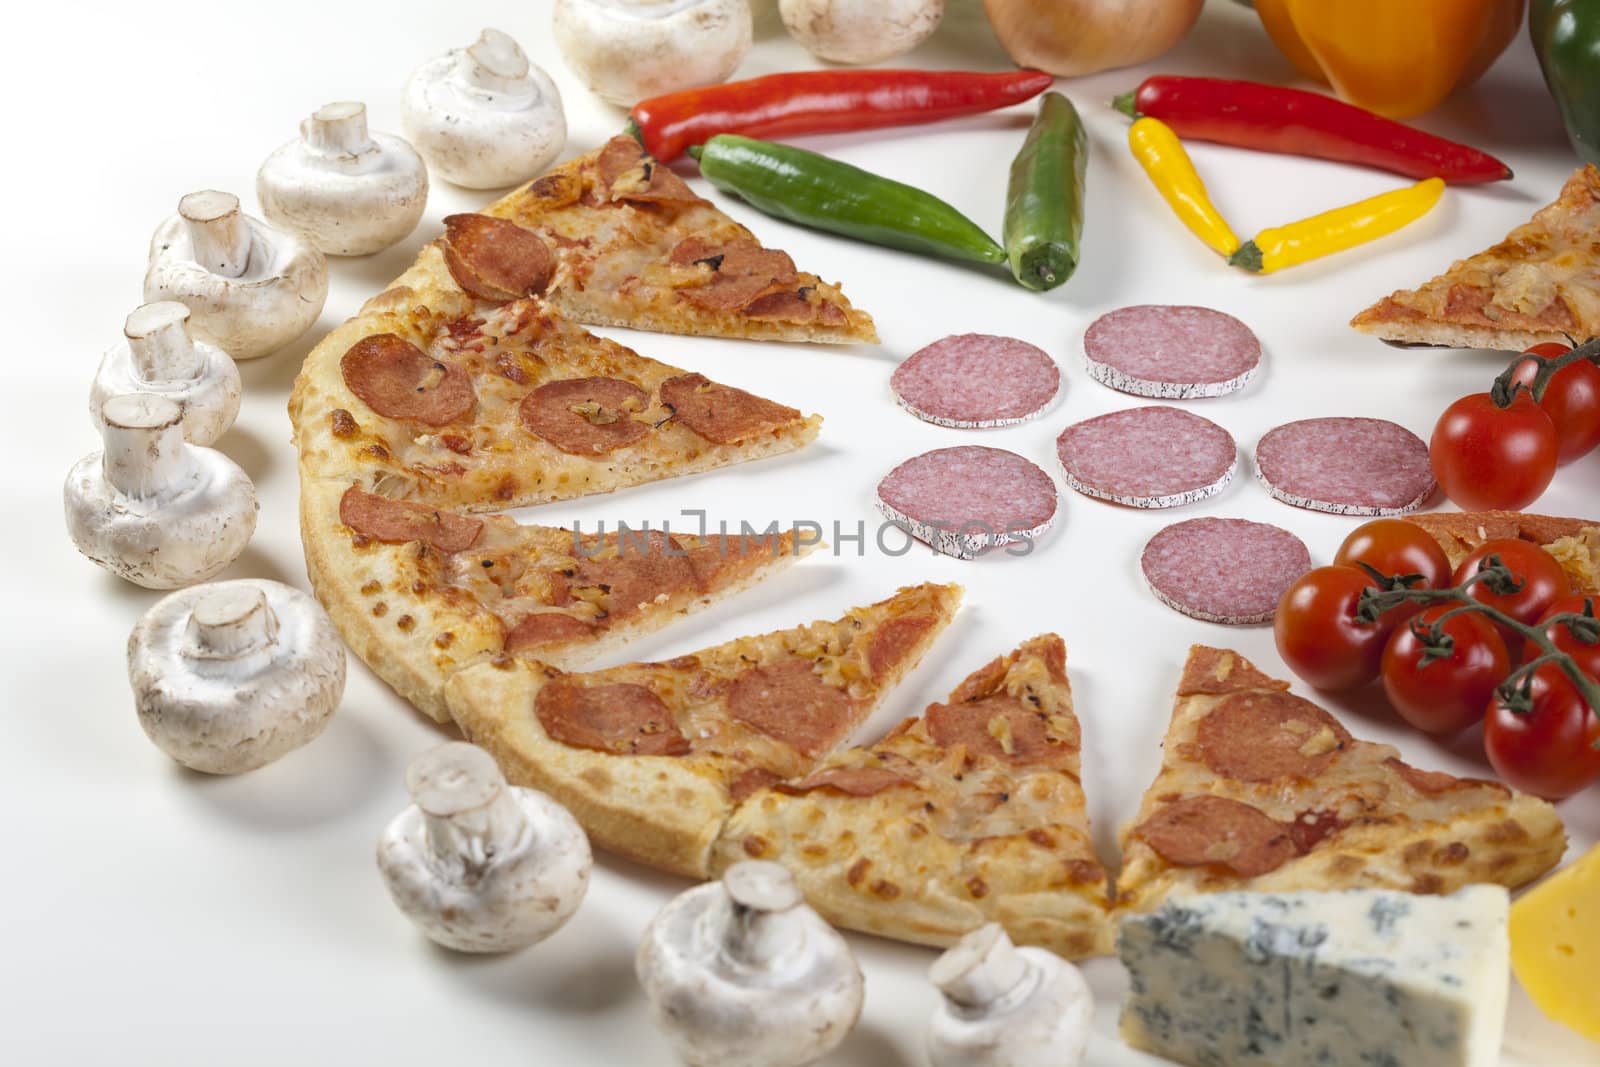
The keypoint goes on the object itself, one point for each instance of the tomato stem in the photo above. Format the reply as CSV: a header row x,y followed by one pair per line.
x,y
1506,387
1517,689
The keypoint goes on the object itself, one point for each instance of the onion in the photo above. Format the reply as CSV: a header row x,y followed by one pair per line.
x,y
1070,37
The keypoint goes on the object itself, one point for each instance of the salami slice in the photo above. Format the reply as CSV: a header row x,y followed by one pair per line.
x,y
976,380
790,702
720,413
623,719
1223,570
401,521
495,259
1172,352
586,416
1346,466
398,380
964,501
1200,831
1152,457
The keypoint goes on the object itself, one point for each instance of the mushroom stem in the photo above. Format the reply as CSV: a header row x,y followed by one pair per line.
x,y
218,231
471,817
494,62
158,337
229,623
144,449
980,969
762,898
338,129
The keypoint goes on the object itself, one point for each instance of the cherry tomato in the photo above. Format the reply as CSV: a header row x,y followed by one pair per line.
x,y
1446,695
1588,656
1394,546
1543,583
1487,458
1571,399
1319,636
1549,751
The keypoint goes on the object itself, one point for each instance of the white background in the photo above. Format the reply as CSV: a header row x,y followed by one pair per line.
x,y
156,916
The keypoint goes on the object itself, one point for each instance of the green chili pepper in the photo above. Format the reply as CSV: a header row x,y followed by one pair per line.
x,y
1566,37
825,194
1044,204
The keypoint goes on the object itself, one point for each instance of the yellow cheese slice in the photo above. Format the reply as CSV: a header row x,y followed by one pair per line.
x,y
1555,945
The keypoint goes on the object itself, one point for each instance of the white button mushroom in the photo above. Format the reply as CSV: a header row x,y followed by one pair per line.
x,y
860,31
483,116
348,191
741,972
627,50
229,677
151,507
478,865
251,288
159,356
1007,1007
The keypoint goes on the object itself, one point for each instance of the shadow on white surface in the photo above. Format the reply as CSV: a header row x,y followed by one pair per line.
x,y
585,969
269,379
868,1045
1534,1038
250,452
338,773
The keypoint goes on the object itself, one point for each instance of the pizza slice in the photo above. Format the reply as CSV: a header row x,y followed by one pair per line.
x,y
1542,283
419,592
484,406
1262,790
637,247
650,756
972,813
1574,542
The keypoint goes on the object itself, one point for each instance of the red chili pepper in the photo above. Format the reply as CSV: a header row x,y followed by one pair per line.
x,y
1295,122
824,101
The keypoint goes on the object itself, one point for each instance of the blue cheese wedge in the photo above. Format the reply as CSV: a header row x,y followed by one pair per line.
x,y
1363,977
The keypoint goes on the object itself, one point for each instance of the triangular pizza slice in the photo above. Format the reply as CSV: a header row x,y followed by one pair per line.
x,y
420,592
464,403
1263,790
1542,283
650,756
971,813
637,247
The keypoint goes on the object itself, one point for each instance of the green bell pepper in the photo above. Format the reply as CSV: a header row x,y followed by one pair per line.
x,y
1566,37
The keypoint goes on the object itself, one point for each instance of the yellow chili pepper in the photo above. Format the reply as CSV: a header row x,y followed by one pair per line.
x,y
1336,230
1161,154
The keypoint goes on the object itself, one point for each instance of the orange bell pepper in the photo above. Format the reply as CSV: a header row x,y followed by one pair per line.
x,y
1396,57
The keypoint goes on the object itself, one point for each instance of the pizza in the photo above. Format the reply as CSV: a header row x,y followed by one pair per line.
x,y
971,813
1542,283
652,757
1263,790
433,395
1575,543
420,592
636,247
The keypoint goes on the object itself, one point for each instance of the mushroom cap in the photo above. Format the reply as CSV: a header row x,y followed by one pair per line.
x,y
275,300
209,399
716,1008
485,130
187,533
481,903
239,706
345,204
860,31
627,50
